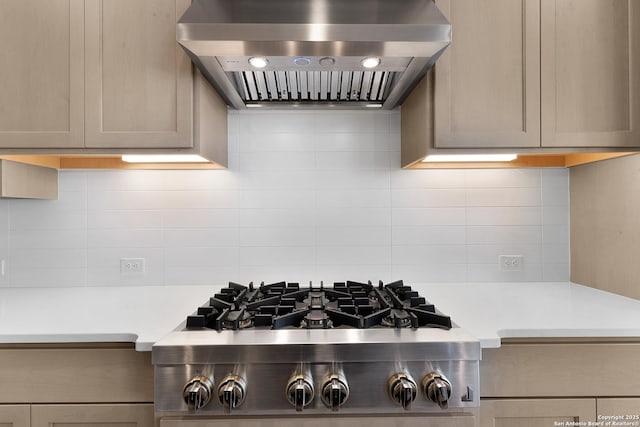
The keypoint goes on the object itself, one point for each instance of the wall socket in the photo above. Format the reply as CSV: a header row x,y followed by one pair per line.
x,y
511,262
131,266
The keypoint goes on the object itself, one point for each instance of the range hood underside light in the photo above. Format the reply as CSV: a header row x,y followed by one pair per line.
x,y
452,158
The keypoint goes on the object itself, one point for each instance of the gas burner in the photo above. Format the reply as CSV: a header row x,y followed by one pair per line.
x,y
397,319
237,320
316,319
345,305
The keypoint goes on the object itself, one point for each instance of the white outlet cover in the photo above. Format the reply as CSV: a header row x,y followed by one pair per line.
x,y
511,262
131,266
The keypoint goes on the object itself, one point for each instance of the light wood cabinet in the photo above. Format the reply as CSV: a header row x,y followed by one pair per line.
x,y
530,76
536,412
14,416
138,80
92,415
328,421
103,77
487,83
590,82
42,69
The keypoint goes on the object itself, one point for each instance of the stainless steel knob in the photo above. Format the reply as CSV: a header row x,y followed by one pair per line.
x,y
300,391
437,389
197,392
232,391
402,389
335,391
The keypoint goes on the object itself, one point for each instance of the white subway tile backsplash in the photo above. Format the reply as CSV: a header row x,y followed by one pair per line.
x,y
124,238
504,215
124,219
428,198
404,179
277,236
431,235
47,239
352,198
502,178
429,216
308,196
353,235
502,234
525,196
429,254
276,199
198,218
199,237
276,256
353,255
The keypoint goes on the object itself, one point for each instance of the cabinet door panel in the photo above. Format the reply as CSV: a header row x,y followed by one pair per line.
x,y
590,92
629,408
487,90
14,416
92,415
139,81
535,412
42,73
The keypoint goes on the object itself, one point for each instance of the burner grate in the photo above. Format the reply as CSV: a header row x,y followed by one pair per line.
x,y
345,305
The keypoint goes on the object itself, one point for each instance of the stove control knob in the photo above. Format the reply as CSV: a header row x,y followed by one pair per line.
x,y
197,392
232,391
437,389
300,391
335,391
402,389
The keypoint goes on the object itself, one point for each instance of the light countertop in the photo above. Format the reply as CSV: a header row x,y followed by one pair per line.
x,y
143,315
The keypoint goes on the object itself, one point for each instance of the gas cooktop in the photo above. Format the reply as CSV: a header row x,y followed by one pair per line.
x,y
345,305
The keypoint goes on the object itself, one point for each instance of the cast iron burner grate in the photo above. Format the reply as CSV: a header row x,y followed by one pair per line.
x,y
345,305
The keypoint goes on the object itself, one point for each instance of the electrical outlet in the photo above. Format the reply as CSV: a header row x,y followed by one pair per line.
x,y
131,266
1,267
511,262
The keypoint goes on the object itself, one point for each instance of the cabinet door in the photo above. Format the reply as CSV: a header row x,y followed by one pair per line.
x,y
92,415
42,73
535,412
487,87
590,79
453,421
139,91
14,416
628,408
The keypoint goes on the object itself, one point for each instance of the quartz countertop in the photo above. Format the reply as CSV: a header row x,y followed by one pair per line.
x,y
143,315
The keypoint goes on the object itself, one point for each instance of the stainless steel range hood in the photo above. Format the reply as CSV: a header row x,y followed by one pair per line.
x,y
314,51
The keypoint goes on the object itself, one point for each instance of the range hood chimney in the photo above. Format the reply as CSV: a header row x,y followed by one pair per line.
x,y
314,53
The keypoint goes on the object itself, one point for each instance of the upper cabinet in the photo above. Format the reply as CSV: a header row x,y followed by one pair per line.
x,y
138,79
42,69
530,75
487,83
590,79
100,77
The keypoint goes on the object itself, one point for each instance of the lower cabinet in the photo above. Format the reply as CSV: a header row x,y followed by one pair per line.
x,y
429,421
536,412
129,415
14,416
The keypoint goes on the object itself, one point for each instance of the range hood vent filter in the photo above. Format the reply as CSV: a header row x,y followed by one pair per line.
x,y
296,86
